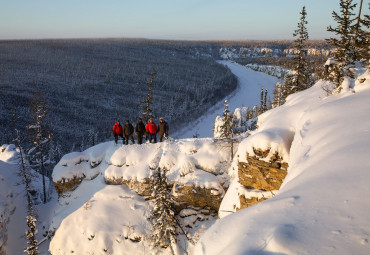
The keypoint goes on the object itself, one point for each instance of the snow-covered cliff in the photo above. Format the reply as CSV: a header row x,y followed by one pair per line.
x,y
321,206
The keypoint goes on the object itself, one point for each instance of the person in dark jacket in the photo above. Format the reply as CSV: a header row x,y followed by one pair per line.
x,y
151,130
162,129
128,132
117,131
139,130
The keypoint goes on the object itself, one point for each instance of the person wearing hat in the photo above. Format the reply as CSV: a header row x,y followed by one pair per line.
x,y
139,130
151,130
117,131
128,132
162,129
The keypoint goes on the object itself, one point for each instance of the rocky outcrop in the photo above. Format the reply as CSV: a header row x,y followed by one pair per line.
x,y
185,196
142,187
258,174
246,202
196,197
262,175
67,185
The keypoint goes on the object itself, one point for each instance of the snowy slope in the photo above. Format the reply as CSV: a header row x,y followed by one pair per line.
x,y
322,206
98,218
248,94
12,202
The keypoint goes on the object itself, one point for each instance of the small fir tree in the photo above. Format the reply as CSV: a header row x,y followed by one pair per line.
x,y
300,78
261,101
227,134
147,102
40,136
345,51
32,248
163,214
265,101
362,37
278,95
226,128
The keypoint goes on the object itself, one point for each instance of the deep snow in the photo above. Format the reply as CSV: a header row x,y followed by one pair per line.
x,y
322,205
98,217
321,208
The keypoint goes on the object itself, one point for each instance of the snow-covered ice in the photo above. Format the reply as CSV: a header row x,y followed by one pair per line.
x,y
247,94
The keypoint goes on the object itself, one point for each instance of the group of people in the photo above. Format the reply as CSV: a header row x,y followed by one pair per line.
x,y
150,131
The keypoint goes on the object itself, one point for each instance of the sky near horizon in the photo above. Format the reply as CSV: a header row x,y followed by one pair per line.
x,y
165,19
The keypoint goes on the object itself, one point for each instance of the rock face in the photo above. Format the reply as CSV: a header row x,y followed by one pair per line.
x,y
67,185
185,196
196,197
258,174
246,202
143,187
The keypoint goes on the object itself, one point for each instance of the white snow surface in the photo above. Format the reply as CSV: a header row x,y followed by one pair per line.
x,y
247,94
322,205
98,218
195,161
13,202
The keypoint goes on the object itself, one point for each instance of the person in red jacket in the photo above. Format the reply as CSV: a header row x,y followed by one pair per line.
x,y
117,131
151,130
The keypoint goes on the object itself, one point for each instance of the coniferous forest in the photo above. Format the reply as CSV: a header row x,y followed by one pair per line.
x,y
89,84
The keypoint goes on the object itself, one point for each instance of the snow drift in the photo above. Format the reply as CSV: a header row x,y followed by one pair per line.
x,y
321,207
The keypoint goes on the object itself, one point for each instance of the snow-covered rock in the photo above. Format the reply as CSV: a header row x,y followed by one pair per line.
x,y
13,210
320,207
276,71
195,170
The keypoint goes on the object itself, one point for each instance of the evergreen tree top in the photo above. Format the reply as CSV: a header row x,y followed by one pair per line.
x,y
301,31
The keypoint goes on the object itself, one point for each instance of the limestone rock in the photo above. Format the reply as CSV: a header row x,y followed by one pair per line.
x,y
142,187
68,185
262,175
196,197
246,202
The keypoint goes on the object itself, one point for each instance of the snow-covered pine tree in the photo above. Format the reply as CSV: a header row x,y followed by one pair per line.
x,y
32,248
362,37
300,78
40,136
265,101
147,102
227,134
227,126
163,214
345,50
278,95
255,111
261,101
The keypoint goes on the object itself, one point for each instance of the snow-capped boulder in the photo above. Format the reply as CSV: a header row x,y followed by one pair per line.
x,y
193,168
262,175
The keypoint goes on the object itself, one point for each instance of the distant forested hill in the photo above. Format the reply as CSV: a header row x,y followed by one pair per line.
x,y
88,84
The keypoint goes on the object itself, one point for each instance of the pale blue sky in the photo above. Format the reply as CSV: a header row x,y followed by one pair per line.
x,y
163,19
